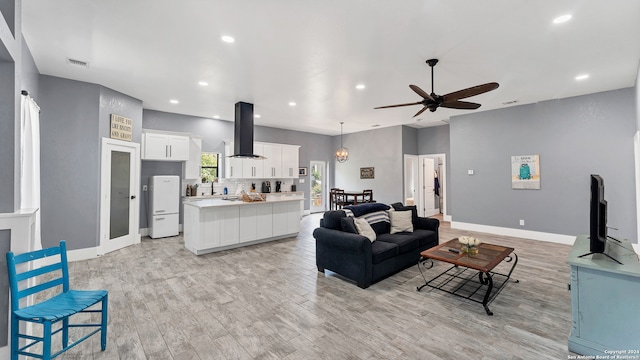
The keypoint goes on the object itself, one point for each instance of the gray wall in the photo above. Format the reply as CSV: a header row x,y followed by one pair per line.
x,y
575,137
70,162
74,117
379,148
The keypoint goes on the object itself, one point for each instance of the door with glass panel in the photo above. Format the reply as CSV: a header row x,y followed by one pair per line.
x,y
318,187
119,200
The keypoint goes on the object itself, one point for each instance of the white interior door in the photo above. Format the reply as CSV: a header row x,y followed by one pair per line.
x,y
318,187
428,200
119,201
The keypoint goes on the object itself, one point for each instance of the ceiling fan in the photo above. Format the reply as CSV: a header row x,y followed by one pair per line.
x,y
451,100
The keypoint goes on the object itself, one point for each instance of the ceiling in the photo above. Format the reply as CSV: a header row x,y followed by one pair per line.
x,y
314,53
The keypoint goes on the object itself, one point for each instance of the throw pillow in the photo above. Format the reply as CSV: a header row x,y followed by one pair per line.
x,y
365,229
348,225
400,221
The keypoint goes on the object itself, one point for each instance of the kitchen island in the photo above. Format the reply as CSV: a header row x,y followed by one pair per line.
x,y
217,224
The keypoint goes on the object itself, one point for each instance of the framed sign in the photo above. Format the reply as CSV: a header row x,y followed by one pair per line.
x,y
525,172
302,171
121,128
367,173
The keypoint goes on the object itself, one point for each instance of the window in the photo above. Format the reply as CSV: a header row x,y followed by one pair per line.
x,y
209,167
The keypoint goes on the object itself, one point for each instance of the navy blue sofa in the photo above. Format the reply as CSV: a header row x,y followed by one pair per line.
x,y
353,256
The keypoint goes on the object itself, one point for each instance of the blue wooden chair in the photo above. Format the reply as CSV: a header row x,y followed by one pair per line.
x,y
59,307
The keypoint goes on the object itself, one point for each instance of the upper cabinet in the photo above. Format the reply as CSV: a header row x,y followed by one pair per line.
x,y
164,146
281,162
191,167
290,161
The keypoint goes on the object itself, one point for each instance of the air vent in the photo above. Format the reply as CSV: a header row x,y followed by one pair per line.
x,y
78,62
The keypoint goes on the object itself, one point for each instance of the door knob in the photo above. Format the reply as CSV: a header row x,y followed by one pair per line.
x,y
133,197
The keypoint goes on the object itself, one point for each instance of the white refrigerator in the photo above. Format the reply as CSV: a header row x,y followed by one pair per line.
x,y
164,206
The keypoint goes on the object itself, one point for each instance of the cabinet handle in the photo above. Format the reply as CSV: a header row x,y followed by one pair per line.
x,y
166,151
158,219
170,151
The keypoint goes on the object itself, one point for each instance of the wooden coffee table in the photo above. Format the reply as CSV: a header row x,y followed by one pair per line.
x,y
460,278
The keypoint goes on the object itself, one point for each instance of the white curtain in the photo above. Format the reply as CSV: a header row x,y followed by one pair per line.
x,y
30,162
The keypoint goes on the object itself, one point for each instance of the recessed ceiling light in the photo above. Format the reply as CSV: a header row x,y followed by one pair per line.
x,y
582,77
291,103
256,115
228,39
563,18
360,86
216,116
174,101
203,83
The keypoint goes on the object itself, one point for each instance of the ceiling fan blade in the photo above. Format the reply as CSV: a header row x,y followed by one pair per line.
x,y
421,92
421,111
472,91
392,106
460,105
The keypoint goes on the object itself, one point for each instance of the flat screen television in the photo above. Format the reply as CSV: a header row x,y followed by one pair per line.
x,y
598,216
598,219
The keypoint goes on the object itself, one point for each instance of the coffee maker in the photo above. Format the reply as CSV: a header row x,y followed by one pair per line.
x,y
266,186
278,185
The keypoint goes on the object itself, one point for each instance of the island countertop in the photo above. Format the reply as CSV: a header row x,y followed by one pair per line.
x,y
218,202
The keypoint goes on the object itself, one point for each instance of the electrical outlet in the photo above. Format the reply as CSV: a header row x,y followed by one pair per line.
x,y
301,181
470,172
521,222
144,187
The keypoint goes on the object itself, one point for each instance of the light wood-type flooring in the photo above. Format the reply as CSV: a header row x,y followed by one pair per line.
x,y
268,301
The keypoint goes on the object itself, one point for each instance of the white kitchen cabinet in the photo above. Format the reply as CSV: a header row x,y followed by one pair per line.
x,y
232,166
286,217
210,229
256,222
253,168
290,161
281,162
227,225
273,163
165,146
191,168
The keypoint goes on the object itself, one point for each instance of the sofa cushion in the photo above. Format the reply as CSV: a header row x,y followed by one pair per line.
x,y
348,225
381,251
427,237
401,221
332,219
406,241
381,227
414,211
365,229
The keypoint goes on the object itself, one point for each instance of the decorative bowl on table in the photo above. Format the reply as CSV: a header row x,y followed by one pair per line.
x,y
469,245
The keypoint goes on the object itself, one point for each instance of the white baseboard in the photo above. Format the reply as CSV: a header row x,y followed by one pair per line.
x,y
527,234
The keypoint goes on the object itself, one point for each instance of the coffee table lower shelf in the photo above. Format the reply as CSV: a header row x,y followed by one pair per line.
x,y
467,283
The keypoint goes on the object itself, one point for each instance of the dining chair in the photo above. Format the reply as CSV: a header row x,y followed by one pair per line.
x,y
341,199
44,275
367,196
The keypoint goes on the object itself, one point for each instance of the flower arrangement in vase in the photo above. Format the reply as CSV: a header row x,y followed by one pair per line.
x,y
469,245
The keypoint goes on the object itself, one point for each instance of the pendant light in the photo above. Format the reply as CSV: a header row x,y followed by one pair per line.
x,y
342,154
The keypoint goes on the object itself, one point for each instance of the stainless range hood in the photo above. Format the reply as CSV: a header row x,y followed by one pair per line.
x,y
243,132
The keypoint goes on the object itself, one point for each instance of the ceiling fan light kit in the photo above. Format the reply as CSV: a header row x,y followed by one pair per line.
x,y
342,153
451,100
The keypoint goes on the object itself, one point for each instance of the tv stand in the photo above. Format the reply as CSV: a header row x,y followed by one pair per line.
x,y
603,253
604,294
614,239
